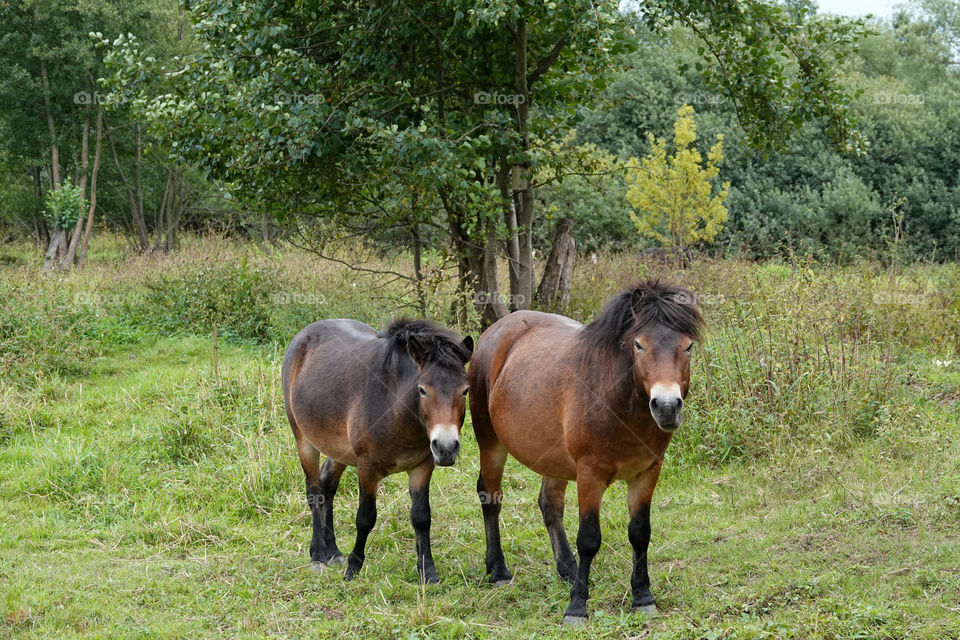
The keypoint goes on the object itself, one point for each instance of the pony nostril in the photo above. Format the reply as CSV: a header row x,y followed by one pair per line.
x,y
666,405
445,445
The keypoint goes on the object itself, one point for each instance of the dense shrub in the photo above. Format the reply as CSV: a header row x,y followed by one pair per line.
x,y
233,300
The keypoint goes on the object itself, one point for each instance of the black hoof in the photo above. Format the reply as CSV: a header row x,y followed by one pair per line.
x,y
335,561
351,573
430,579
500,577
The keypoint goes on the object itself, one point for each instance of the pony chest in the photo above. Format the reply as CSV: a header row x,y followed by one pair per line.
x,y
393,446
628,448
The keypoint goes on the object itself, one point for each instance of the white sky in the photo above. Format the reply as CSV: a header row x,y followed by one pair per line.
x,y
858,8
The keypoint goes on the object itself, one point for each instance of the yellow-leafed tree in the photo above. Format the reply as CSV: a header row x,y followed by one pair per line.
x,y
673,195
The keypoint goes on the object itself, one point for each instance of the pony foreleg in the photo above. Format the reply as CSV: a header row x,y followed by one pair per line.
x,y
419,485
366,517
639,495
590,488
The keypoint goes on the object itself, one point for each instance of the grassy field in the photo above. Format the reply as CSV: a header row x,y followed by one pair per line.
x,y
149,485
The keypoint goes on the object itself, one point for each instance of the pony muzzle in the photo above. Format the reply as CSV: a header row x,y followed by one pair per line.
x,y
666,404
444,444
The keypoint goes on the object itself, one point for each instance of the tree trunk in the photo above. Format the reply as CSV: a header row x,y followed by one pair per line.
x,y
171,210
57,238
476,267
554,290
513,243
163,211
134,193
93,187
67,260
138,219
175,212
524,209
418,270
43,234
51,129
84,155
489,299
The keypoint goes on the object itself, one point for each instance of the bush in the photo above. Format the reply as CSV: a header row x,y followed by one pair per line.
x,y
234,300
64,206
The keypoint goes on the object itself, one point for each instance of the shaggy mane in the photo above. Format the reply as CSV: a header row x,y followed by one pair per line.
x,y
442,346
648,303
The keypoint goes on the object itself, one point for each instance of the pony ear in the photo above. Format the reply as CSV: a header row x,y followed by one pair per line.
x,y
416,349
468,343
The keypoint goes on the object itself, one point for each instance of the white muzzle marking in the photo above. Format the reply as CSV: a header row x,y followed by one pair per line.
x,y
666,393
444,436
666,404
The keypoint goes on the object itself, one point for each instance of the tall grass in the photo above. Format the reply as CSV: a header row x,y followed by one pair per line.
x,y
799,356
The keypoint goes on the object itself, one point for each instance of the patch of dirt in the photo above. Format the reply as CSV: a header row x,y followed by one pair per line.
x,y
946,398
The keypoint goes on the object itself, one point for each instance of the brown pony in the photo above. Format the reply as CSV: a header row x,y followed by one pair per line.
x,y
383,402
595,404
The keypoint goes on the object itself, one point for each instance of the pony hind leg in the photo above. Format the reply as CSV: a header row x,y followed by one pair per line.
x,y
310,462
490,492
553,491
369,479
330,474
493,455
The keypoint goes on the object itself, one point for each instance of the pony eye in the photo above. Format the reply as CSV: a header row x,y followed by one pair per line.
x,y
465,392
422,391
690,348
638,346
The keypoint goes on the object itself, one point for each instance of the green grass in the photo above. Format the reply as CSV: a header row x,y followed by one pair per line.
x,y
149,485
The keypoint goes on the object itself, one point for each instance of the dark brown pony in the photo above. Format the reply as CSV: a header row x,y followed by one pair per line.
x,y
382,402
595,404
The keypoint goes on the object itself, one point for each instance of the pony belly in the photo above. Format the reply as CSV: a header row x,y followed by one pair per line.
x,y
536,444
340,454
554,462
331,442
407,460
